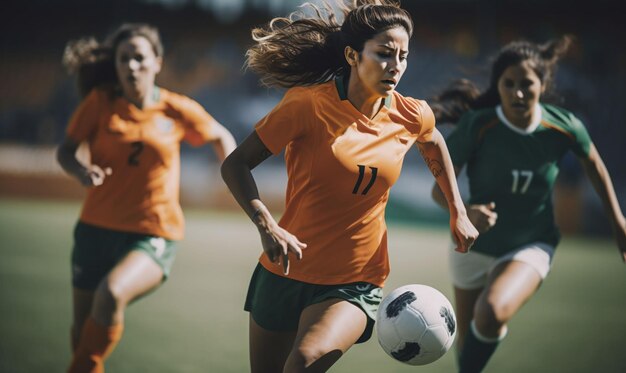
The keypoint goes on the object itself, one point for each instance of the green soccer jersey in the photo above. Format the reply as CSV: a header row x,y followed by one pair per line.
x,y
516,169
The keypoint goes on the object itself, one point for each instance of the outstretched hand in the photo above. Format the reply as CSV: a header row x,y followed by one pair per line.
x,y
482,216
94,175
463,233
278,242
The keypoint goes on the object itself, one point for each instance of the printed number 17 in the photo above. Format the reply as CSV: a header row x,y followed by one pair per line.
x,y
527,177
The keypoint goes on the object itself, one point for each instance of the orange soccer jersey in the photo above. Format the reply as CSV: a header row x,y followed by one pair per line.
x,y
142,148
341,166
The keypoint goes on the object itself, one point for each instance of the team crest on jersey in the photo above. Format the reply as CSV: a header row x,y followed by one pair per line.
x,y
164,124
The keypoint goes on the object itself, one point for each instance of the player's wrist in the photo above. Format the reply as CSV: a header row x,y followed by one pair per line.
x,y
260,218
256,216
458,209
81,173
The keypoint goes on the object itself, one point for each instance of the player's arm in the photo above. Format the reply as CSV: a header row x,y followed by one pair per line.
x,y
482,216
601,181
224,143
438,195
237,174
437,158
88,175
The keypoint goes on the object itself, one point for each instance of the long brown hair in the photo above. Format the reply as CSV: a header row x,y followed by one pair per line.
x,y
300,50
94,62
463,95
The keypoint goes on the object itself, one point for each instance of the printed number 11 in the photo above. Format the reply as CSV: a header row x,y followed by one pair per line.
x,y
360,180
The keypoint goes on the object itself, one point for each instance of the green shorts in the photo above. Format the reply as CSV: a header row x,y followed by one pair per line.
x,y
97,250
276,302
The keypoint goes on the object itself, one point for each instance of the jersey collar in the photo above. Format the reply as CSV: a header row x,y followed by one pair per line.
x,y
528,130
341,82
156,96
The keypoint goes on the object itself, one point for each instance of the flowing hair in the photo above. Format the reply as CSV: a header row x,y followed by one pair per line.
x,y
93,62
463,95
298,50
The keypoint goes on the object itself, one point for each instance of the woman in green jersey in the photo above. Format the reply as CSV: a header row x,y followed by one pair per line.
x,y
512,144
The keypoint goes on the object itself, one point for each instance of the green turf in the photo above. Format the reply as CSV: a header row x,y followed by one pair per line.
x,y
195,322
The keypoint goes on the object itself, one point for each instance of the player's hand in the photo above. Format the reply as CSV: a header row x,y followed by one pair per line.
x,y
463,233
483,217
278,242
94,175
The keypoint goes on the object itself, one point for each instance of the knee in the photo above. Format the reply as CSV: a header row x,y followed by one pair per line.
x,y
110,296
304,358
491,314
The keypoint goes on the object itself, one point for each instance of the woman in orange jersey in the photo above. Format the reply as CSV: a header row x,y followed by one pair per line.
x,y
124,241
345,132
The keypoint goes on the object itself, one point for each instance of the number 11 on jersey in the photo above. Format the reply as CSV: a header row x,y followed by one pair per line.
x,y
360,180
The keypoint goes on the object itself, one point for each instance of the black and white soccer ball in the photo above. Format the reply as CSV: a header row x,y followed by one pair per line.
x,y
416,324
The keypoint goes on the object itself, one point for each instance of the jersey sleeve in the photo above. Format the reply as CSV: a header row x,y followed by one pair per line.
x,y
288,120
461,141
197,123
582,140
84,121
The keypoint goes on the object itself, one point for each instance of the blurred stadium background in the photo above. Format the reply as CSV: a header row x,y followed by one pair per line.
x,y
205,41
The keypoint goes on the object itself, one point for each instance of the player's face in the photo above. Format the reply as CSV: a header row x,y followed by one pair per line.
x,y
382,61
520,89
136,65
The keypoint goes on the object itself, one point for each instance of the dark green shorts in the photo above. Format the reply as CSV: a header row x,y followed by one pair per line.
x,y
276,302
97,250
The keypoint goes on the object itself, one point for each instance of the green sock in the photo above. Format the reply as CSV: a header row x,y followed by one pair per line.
x,y
477,350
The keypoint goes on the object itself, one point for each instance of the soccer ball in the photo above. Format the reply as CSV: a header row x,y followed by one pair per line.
x,y
415,324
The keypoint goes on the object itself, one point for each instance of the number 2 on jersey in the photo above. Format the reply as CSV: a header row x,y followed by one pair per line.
x,y
360,180
521,186
133,158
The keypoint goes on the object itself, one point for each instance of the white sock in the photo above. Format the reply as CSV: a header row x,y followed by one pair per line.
x,y
484,339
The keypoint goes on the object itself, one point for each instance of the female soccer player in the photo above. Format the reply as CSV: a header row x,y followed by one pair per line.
x,y
124,241
512,144
346,132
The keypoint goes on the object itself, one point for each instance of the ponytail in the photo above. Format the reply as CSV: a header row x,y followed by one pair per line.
x,y
92,64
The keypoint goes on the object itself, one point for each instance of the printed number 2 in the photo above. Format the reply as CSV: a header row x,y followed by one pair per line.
x,y
517,174
133,158
360,180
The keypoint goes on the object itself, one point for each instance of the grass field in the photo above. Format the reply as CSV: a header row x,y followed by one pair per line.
x,y
195,322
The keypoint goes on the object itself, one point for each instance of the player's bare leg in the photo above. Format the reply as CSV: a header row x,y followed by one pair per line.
x,y
326,331
464,301
510,285
268,349
82,302
134,276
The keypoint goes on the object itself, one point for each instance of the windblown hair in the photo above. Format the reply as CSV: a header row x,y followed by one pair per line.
x,y
463,95
300,50
94,62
